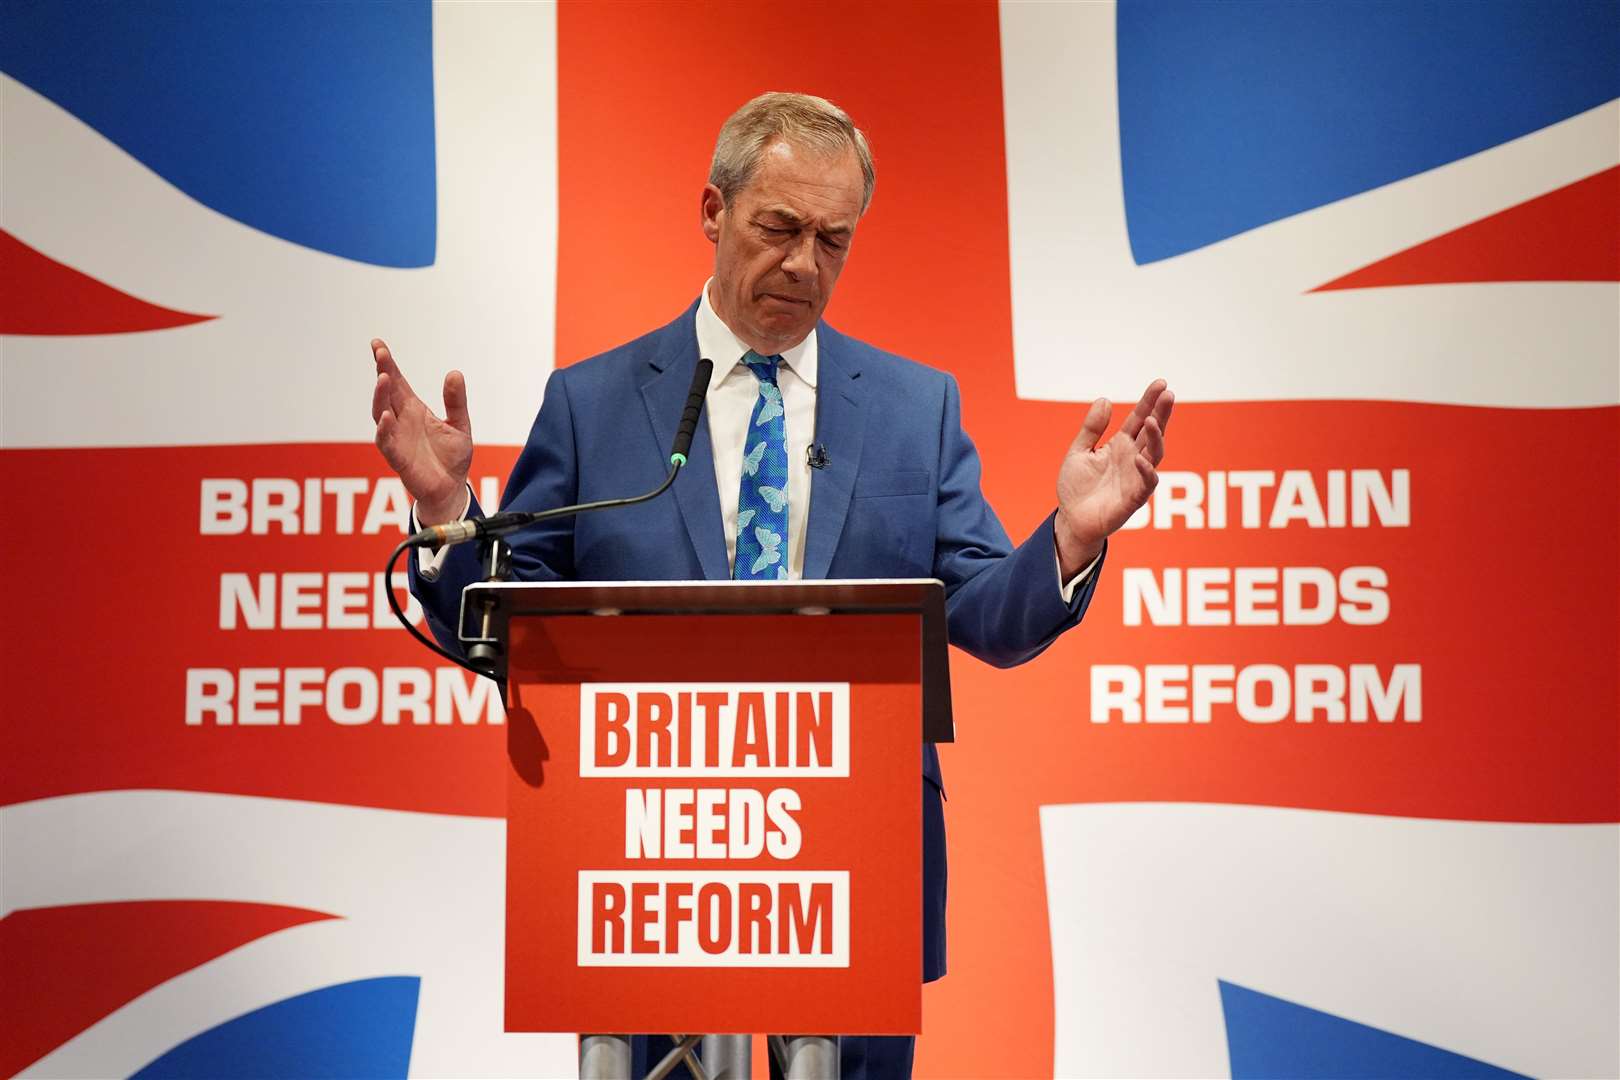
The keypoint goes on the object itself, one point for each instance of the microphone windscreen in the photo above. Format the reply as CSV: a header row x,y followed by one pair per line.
x,y
694,409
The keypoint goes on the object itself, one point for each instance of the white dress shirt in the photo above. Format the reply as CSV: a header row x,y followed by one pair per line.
x,y
733,391
727,409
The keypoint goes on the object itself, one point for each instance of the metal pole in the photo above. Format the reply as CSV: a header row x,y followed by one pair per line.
x,y
604,1057
729,1057
811,1057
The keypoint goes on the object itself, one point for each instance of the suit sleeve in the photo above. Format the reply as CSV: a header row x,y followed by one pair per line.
x,y
546,475
1003,603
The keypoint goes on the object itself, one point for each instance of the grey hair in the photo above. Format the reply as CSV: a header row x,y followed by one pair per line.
x,y
802,120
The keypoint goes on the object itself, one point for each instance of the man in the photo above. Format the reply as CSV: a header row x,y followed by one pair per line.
x,y
820,456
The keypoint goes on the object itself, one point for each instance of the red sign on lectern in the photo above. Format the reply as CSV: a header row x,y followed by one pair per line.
x,y
713,824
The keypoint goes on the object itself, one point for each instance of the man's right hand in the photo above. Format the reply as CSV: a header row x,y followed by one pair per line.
x,y
431,456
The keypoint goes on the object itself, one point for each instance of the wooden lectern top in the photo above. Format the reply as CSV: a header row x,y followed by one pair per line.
x,y
923,597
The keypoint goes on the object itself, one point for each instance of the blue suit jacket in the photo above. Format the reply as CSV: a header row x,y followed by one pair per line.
x,y
899,498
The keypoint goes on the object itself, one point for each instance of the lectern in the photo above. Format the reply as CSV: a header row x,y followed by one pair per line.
x,y
713,806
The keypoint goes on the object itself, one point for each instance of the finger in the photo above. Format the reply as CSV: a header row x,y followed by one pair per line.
x,y
395,395
380,398
387,440
1161,411
1092,428
1144,408
1149,475
383,357
455,403
1150,441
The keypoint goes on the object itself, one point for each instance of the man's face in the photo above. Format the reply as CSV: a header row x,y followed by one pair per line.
x,y
781,243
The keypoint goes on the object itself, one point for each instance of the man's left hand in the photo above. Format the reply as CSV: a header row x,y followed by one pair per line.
x,y
1099,487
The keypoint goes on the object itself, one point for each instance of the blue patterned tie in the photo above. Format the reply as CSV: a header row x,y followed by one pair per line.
x,y
762,502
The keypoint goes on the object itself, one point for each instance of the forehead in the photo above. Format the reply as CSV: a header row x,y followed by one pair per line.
x,y
807,183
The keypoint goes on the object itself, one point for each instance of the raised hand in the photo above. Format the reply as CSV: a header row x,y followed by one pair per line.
x,y
1099,487
430,455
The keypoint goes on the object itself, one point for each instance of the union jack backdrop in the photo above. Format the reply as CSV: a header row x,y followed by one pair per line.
x,y
1323,786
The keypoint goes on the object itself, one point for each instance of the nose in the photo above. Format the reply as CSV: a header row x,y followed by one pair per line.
x,y
800,261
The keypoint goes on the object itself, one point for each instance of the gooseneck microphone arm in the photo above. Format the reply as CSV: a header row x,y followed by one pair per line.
x,y
498,525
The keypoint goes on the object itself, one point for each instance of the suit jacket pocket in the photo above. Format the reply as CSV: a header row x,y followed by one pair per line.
x,y
874,485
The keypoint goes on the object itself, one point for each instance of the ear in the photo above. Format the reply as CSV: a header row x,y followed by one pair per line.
x,y
712,207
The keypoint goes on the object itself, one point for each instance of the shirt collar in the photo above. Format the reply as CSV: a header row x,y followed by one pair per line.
x,y
716,341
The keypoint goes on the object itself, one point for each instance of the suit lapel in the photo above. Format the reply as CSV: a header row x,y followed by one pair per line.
x,y
840,427
668,379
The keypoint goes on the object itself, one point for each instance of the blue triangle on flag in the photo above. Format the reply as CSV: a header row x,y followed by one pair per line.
x,y
1233,116
274,114
356,1029
1268,1037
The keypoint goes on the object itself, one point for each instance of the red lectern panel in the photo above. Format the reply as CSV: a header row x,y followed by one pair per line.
x,y
713,824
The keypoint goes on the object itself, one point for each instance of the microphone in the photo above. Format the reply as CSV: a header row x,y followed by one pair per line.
x,y
815,456
459,532
690,414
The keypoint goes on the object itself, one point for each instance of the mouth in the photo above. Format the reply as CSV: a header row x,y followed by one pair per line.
x,y
779,297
